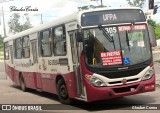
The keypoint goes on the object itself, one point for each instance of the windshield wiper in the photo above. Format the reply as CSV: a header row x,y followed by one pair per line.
x,y
131,34
127,40
106,34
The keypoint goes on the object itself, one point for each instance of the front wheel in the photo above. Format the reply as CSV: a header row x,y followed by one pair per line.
x,y
22,84
63,92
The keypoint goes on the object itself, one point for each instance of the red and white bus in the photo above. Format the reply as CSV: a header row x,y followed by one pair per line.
x,y
90,55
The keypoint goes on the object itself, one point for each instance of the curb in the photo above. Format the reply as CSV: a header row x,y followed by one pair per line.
x,y
155,51
1,60
157,79
158,83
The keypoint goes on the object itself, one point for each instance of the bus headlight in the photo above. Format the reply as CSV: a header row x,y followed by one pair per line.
x,y
95,81
149,74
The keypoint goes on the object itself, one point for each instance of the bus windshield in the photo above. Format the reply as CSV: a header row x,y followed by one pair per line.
x,y
117,45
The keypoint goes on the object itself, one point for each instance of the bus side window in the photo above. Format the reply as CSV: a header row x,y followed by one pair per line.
x,y
18,48
59,42
6,51
26,47
45,43
40,43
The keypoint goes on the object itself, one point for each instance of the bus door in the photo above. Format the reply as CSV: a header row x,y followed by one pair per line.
x,y
12,70
37,79
76,51
11,53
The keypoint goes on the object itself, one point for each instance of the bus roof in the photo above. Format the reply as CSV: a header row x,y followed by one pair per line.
x,y
58,21
107,8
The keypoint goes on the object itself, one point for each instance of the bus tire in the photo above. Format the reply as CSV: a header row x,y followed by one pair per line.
x,y
62,92
22,84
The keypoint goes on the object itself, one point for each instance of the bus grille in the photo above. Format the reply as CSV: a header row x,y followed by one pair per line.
x,y
121,74
120,82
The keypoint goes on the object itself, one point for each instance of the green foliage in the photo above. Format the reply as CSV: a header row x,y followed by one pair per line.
x,y
89,7
152,23
27,23
156,27
158,61
1,43
157,31
14,23
1,58
86,7
136,3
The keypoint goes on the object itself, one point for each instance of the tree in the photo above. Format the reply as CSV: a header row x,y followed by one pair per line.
x,y
86,7
152,22
157,31
1,43
156,27
27,23
136,3
14,23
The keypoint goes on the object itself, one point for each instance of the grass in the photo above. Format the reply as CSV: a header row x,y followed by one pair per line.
x,y
1,49
1,58
158,61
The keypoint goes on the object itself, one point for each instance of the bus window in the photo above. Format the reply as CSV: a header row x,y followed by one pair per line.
x,y
59,41
45,43
6,51
26,47
18,48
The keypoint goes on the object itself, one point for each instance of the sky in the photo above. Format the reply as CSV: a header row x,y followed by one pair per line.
x,y
50,9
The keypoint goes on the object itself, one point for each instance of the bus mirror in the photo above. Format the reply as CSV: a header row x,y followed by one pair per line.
x,y
79,37
152,36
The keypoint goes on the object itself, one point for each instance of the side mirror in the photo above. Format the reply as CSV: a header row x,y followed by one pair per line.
x,y
79,36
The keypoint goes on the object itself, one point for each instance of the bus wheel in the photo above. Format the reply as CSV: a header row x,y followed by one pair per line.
x,y
22,84
63,92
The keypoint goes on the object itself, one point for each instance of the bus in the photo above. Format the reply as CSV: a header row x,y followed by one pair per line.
x,y
90,55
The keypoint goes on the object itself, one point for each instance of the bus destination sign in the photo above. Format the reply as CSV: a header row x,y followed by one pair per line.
x,y
112,17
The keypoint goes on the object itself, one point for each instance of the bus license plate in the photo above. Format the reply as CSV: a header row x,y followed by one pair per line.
x,y
132,89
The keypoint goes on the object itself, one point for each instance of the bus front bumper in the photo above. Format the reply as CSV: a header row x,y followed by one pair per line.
x,y
102,93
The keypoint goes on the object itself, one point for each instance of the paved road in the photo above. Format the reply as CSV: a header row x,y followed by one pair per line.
x,y
2,70
156,57
11,94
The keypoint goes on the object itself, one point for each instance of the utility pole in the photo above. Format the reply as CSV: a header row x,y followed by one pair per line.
x,y
41,19
98,3
101,3
4,28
